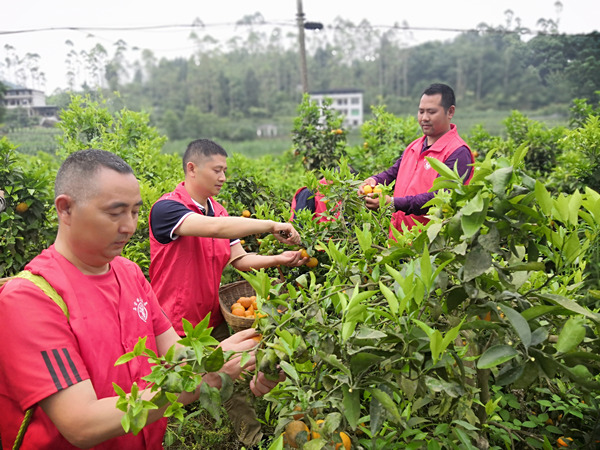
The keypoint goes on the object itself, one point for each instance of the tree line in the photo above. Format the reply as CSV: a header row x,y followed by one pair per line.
x,y
224,89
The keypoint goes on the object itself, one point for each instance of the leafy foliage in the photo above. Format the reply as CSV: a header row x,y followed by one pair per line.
x,y
25,225
476,330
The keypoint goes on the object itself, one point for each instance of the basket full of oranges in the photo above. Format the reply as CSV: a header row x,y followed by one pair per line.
x,y
238,304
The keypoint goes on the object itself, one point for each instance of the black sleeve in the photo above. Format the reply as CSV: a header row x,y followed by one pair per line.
x,y
305,199
165,216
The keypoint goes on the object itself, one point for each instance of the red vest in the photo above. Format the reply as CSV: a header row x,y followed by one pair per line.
x,y
90,326
320,205
186,273
416,176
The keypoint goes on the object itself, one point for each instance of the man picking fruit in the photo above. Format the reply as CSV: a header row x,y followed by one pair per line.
x,y
62,336
412,173
192,239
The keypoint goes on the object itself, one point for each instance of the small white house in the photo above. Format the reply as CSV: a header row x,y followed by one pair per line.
x,y
32,100
349,102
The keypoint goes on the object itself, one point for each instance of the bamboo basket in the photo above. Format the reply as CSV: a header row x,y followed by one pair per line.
x,y
228,295
4,280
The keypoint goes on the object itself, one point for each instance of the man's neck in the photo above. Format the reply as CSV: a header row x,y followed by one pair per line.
x,y
200,199
63,249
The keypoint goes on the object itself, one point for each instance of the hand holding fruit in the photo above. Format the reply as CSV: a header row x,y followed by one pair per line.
x,y
292,259
367,186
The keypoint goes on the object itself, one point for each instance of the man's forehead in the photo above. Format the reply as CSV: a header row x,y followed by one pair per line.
x,y
435,99
214,161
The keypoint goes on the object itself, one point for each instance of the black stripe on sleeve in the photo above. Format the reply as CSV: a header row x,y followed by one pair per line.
x,y
71,364
61,366
51,370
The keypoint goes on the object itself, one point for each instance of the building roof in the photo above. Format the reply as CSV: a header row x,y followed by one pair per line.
x,y
10,86
337,91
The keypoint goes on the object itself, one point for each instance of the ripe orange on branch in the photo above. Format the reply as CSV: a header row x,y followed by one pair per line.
x,y
312,262
22,207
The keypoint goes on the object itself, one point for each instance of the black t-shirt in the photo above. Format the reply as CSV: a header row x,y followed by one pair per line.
x,y
167,215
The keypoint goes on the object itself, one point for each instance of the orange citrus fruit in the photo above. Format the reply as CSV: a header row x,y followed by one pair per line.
x,y
367,189
299,415
312,262
246,302
377,190
304,253
291,432
237,306
316,434
246,213
238,312
22,207
346,442
564,441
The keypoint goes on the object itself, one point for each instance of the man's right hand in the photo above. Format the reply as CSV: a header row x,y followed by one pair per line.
x,y
286,233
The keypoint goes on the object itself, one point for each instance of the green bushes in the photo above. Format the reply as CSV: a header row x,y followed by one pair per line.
x,y
26,227
478,330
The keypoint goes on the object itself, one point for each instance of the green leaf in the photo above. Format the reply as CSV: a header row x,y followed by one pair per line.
x,y
500,179
477,262
289,370
519,154
125,358
351,403
390,297
495,356
442,169
474,214
572,334
543,198
386,402
215,360
570,305
277,444
519,324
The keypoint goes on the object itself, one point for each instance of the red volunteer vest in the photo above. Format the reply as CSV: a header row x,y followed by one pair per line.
x,y
87,328
320,205
416,176
186,273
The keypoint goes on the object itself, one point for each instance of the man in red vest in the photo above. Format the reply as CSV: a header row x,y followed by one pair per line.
x,y
412,173
192,239
59,364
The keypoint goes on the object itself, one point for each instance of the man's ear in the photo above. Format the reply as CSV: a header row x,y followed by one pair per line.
x,y
190,168
451,111
64,205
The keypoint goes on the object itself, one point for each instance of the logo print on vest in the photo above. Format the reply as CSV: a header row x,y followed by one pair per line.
x,y
427,165
140,307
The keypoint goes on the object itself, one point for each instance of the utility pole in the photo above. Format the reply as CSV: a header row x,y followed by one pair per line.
x,y
303,71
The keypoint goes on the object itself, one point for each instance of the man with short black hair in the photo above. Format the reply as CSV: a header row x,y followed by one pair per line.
x,y
412,173
192,239
60,362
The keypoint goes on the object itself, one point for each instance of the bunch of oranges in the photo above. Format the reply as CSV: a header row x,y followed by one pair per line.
x,y
368,189
245,307
290,436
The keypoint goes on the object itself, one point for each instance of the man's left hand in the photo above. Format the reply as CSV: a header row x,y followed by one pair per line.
x,y
291,259
372,201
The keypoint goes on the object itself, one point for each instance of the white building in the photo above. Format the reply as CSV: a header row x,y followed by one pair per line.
x,y
32,100
349,102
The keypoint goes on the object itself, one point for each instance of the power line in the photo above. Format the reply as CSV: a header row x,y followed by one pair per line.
x,y
198,26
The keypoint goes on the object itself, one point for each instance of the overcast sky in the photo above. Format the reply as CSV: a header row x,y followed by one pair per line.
x,y
219,17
